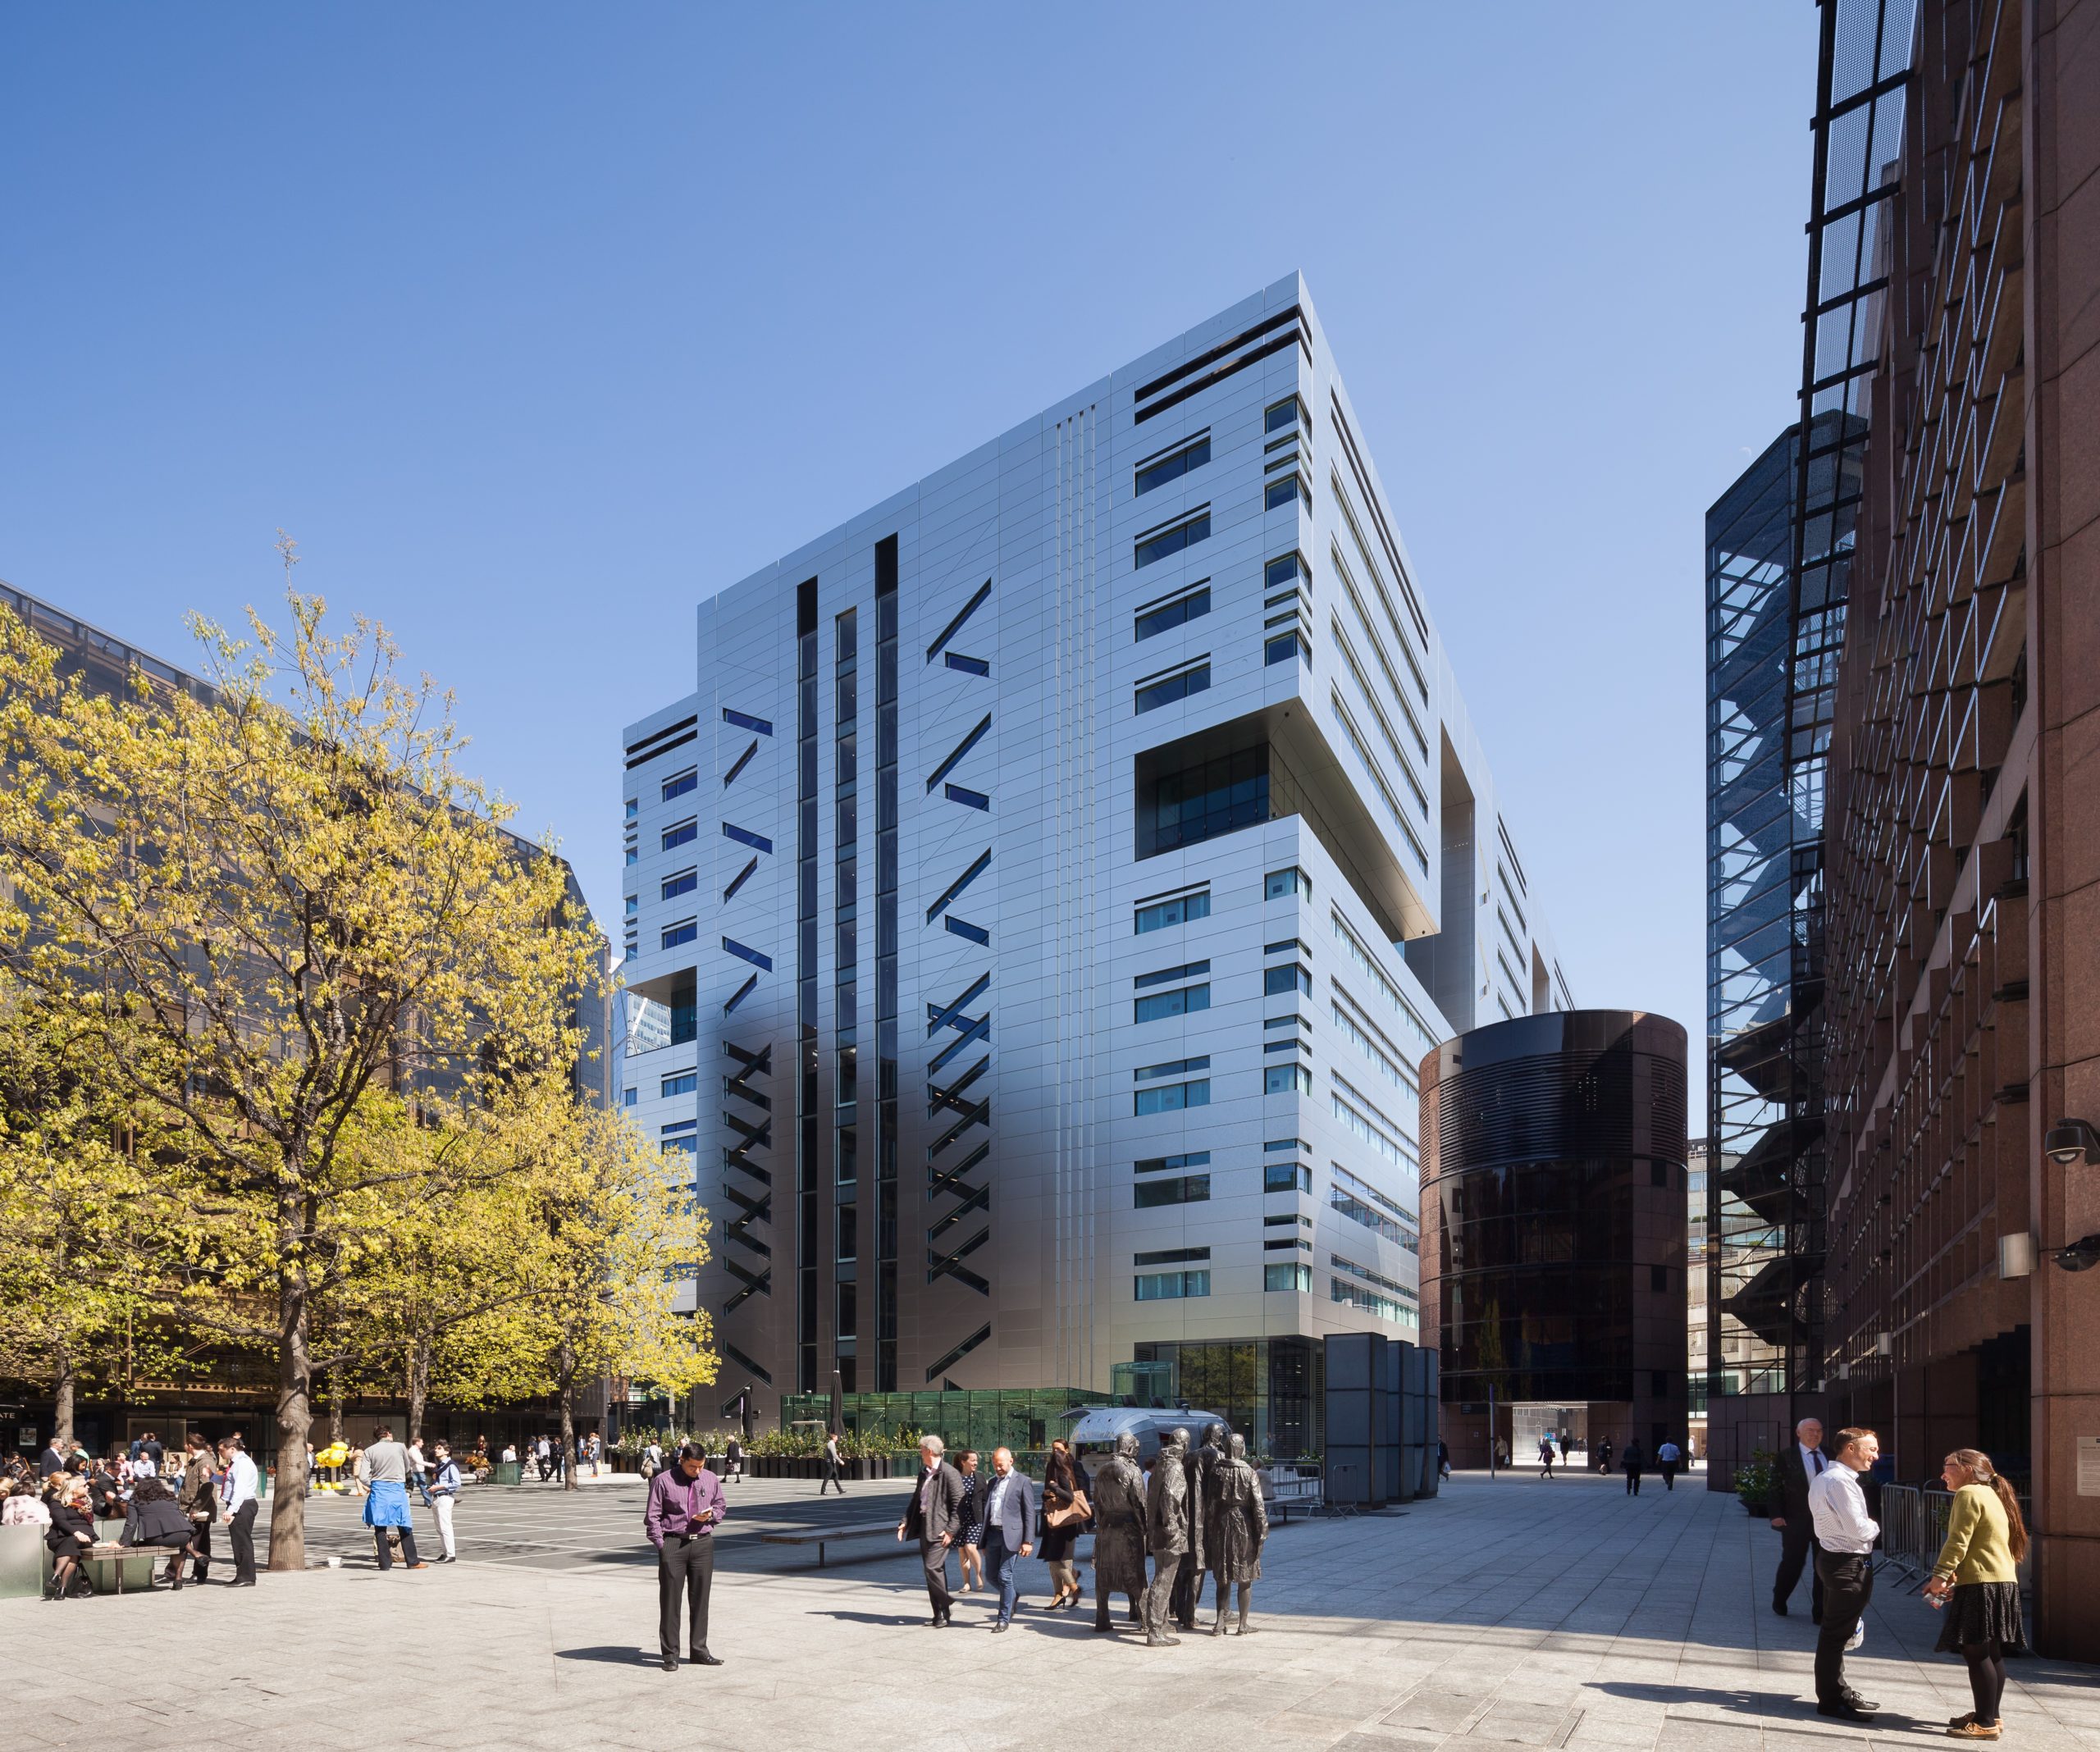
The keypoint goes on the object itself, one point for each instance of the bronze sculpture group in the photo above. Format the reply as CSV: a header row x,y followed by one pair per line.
x,y
1200,1511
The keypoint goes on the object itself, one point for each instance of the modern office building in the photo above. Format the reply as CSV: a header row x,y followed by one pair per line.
x,y
1554,1209
1048,889
1964,815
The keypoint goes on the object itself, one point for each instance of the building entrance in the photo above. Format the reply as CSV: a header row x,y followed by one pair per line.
x,y
1569,1425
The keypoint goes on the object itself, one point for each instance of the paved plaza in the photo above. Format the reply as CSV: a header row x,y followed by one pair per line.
x,y
1507,1614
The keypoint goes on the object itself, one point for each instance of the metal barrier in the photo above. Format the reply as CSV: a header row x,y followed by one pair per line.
x,y
1914,1528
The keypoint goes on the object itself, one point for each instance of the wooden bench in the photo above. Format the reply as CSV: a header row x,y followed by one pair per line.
x,y
820,1537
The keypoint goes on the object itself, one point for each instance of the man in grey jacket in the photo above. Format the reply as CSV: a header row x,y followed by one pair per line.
x,y
931,1517
1009,1529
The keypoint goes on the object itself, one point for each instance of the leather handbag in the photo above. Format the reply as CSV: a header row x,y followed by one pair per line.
x,y
1078,1509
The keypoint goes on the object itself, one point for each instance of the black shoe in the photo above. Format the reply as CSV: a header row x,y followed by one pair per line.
x,y
670,1663
998,1627
1844,1713
1854,1700
1780,1607
701,1658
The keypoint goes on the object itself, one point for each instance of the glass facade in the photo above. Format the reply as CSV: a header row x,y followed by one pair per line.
x,y
1269,1389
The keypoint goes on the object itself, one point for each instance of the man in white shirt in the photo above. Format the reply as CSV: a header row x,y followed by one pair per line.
x,y
1844,1564
237,1506
443,1493
1667,1457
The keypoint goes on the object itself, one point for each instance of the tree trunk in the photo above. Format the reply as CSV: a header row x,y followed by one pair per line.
x,y
568,1416
294,1406
335,1409
62,1407
418,1385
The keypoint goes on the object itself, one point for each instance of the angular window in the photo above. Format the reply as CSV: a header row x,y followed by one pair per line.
x,y
1284,490
1164,544
762,961
633,807
745,721
1190,606
1175,464
1171,1286
1286,1079
1163,975
679,783
967,665
683,932
1297,1277
970,799
1285,414
632,855
1171,1097
633,905
684,883
1281,885
1172,1068
745,836
1286,1177
1153,695
683,1084
1183,1003
684,834
1179,911
1193,1189
1162,1163
1286,979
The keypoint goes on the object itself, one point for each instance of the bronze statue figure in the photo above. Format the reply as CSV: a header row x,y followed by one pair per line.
x,y
1189,1584
1236,1526
1120,1527
1169,1531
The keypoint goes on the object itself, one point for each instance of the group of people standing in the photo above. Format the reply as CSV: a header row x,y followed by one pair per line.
x,y
163,1510
1193,1510
1823,1522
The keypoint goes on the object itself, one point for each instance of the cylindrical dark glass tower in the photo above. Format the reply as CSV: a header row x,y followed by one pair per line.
x,y
1554,1224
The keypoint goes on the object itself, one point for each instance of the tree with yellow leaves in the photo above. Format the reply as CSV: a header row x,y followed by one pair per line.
x,y
303,910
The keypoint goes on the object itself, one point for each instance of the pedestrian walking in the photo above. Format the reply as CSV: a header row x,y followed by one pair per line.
x,y
1009,1530
971,1515
1065,1511
419,1471
1976,1582
832,1467
732,1457
386,1509
931,1516
443,1496
543,1451
1844,1561
238,1502
1443,1458
684,1508
1502,1452
1667,1457
652,1459
1632,1463
1796,1468
196,1495
1604,1455
1545,1457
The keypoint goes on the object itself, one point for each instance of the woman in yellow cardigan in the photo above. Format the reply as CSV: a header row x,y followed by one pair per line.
x,y
1976,1574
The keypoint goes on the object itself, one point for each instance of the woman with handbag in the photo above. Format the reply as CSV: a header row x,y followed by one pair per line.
x,y
1064,1510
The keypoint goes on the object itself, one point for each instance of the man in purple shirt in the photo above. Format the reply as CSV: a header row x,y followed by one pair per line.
x,y
685,1508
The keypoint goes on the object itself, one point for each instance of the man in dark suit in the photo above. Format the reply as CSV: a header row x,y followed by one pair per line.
x,y
1009,1529
1796,1468
931,1517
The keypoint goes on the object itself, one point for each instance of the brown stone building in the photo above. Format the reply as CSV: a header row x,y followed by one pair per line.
x,y
1961,953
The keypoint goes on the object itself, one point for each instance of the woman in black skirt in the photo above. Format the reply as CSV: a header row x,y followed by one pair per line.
x,y
1977,1578
72,1532
970,1513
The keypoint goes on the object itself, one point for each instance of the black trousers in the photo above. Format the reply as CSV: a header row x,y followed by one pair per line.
x,y
200,1536
934,1555
1669,1469
831,1477
1848,1579
1797,1547
241,1532
687,1566
1633,1481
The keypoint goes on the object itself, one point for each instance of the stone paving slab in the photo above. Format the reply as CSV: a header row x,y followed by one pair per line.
x,y
1506,1614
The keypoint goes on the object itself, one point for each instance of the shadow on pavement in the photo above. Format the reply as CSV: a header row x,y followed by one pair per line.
x,y
1765,1703
613,1657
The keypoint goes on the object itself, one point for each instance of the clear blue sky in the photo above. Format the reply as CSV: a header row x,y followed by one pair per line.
x,y
533,324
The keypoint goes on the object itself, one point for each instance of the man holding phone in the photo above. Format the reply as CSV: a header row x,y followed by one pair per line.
x,y
685,1508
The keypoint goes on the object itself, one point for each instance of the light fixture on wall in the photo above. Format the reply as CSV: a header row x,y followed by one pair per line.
x,y
2070,1140
2080,1255
2016,1255
1884,1345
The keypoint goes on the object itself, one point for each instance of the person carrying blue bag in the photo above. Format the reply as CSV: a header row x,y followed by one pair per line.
x,y
386,1509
